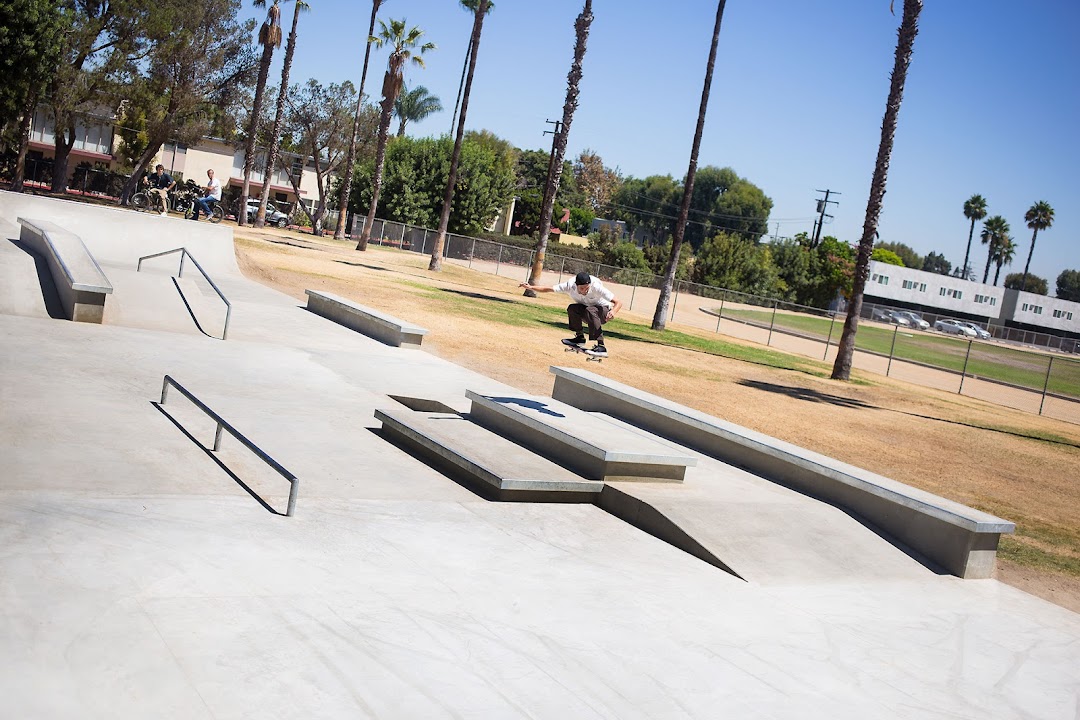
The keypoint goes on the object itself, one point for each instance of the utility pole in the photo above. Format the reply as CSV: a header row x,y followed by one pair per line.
x,y
821,207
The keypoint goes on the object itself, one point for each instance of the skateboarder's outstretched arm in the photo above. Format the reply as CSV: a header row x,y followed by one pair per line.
x,y
536,288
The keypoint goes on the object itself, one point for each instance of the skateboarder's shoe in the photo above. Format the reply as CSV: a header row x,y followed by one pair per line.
x,y
576,340
598,350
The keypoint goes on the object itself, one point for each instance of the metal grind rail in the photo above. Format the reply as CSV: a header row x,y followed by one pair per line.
x,y
183,254
294,481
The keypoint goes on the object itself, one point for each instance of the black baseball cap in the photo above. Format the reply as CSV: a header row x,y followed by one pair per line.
x,y
583,278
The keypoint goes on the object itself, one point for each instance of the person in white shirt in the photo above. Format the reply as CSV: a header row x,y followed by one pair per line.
x,y
213,195
593,304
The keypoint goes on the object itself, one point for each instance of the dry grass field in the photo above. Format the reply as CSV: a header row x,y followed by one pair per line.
x,y
1013,464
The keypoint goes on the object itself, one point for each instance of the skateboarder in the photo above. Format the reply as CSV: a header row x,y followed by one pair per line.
x,y
593,304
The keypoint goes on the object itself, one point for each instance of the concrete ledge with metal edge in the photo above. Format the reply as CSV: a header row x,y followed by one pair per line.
x,y
378,325
959,539
79,280
498,468
589,445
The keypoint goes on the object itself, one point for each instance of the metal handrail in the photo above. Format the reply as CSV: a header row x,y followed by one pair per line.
x,y
294,481
184,252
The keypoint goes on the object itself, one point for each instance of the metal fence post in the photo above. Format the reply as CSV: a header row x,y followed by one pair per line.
x,y
671,318
498,260
1046,384
720,315
963,373
832,324
772,323
528,268
892,350
423,248
472,252
446,247
562,266
632,292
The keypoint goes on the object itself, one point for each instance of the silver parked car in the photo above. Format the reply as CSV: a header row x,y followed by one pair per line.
x,y
273,215
979,332
914,319
954,327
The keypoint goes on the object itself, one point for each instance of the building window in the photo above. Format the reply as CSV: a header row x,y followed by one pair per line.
x,y
922,287
993,301
908,284
942,292
1024,308
1037,309
1068,316
959,294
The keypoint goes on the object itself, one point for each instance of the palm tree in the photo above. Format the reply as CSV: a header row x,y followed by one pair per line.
x,y
455,157
279,117
404,41
471,6
1003,255
562,134
974,210
269,38
905,45
414,105
995,233
659,316
350,157
1039,216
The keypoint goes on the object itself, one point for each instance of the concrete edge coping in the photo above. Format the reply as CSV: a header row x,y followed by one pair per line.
x,y
474,467
576,442
934,505
62,245
382,318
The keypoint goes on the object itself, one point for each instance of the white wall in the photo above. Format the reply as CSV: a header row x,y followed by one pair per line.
x,y
931,290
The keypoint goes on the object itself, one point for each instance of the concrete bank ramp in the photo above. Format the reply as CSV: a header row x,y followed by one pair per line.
x,y
25,288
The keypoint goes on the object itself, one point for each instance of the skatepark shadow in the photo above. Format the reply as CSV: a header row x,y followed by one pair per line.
x,y
363,265
190,310
49,295
806,394
478,296
530,404
216,460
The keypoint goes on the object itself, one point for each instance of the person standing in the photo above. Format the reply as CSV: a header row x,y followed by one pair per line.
x,y
211,198
593,305
160,184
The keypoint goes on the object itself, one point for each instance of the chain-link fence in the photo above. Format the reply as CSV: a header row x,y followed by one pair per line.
x,y
985,368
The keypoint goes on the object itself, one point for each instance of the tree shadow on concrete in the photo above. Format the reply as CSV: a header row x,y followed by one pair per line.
x,y
478,296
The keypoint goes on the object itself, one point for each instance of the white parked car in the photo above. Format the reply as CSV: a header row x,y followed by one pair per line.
x,y
914,319
979,332
954,327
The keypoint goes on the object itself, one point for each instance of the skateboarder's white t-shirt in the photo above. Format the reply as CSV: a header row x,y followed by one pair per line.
x,y
597,295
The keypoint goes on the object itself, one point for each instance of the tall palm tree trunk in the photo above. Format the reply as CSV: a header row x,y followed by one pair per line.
x,y
1031,251
350,157
376,180
448,197
461,86
573,80
253,129
660,315
279,117
989,259
967,253
905,43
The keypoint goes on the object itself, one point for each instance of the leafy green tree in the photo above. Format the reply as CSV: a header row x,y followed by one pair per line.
x,y
1068,285
646,205
415,180
406,46
206,41
905,44
31,43
937,263
658,256
724,201
1003,255
269,39
994,234
886,256
414,105
1039,216
734,263
1035,284
907,254
531,170
813,276
319,120
974,210
350,156
598,183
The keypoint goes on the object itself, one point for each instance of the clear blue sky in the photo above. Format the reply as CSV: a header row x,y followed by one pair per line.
x,y
992,104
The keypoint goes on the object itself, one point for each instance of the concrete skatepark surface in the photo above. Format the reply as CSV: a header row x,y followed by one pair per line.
x,y
139,578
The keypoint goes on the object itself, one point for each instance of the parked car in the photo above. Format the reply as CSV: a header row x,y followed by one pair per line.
x,y
913,318
954,327
979,332
273,215
889,316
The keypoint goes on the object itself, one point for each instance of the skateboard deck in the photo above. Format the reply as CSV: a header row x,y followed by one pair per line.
x,y
589,354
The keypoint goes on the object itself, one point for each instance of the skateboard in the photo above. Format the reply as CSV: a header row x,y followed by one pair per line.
x,y
589,355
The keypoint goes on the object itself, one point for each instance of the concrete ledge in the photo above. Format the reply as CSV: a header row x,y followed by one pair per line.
x,y
587,444
378,325
960,539
495,465
80,283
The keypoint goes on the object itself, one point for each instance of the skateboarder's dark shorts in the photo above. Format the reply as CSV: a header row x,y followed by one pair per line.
x,y
594,315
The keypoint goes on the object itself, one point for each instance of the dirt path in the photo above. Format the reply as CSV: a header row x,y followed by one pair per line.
x,y
1020,466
